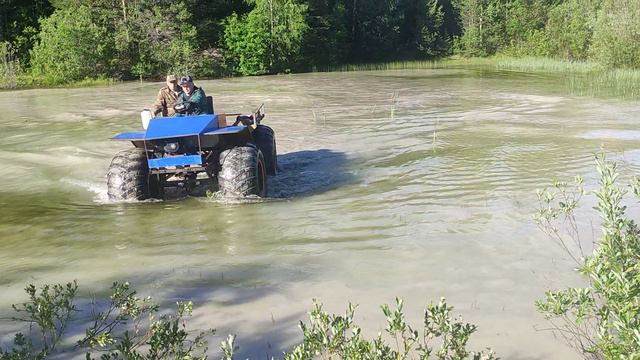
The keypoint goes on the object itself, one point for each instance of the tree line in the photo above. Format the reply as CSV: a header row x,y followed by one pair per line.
x,y
60,41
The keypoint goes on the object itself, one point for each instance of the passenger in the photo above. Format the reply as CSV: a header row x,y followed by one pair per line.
x,y
192,100
167,98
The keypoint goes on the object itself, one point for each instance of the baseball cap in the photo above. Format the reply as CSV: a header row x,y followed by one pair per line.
x,y
185,79
172,78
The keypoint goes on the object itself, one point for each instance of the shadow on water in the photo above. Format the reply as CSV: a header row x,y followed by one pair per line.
x,y
265,339
308,172
300,173
268,337
270,340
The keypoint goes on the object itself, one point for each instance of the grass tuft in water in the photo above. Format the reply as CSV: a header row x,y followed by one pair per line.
x,y
537,64
414,64
583,78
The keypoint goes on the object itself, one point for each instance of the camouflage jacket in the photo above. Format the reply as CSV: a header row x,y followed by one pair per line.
x,y
165,101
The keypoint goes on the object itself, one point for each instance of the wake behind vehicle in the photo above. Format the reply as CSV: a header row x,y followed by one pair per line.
x,y
187,151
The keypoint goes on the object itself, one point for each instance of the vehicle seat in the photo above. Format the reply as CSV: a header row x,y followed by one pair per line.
x,y
209,105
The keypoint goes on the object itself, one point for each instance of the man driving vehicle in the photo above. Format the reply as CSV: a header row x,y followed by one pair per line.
x,y
192,100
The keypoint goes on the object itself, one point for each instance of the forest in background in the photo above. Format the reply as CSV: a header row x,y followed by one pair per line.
x,y
51,42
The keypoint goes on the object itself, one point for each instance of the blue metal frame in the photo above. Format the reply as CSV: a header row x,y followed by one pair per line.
x,y
182,160
179,126
161,128
130,136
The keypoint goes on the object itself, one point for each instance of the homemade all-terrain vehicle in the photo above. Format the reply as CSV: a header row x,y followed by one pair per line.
x,y
187,151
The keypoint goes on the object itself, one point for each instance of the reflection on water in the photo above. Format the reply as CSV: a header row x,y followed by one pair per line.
x,y
416,184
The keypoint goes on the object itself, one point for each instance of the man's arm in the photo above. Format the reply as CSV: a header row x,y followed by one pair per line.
x,y
201,100
159,105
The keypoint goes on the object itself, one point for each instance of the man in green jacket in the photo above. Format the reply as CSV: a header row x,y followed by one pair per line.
x,y
192,100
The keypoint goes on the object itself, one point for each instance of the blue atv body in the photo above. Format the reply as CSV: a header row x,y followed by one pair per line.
x,y
188,151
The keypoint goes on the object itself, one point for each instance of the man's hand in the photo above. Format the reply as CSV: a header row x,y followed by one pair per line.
x,y
180,108
186,107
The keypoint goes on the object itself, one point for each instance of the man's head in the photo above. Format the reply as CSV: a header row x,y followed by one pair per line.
x,y
186,82
172,82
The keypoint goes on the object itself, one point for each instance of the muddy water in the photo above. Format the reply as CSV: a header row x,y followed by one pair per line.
x,y
415,184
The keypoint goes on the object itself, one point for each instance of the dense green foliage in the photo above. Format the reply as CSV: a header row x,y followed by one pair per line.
x,y
266,40
602,318
603,31
10,68
19,23
70,48
149,38
131,328
85,39
616,34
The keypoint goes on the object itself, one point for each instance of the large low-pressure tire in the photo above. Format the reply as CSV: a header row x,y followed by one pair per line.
x,y
128,177
242,172
265,139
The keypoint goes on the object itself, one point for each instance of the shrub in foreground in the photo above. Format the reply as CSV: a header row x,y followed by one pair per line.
x,y
601,320
128,328
338,337
134,328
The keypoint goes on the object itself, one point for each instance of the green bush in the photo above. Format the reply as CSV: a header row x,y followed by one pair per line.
x,y
525,22
10,69
617,31
602,319
245,45
70,48
570,29
484,26
147,40
605,31
160,40
131,328
334,336
266,40
432,40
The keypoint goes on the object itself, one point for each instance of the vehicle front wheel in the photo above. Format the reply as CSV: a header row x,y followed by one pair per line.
x,y
128,177
242,172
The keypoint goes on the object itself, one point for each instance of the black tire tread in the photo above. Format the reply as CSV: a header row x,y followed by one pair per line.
x,y
238,176
128,176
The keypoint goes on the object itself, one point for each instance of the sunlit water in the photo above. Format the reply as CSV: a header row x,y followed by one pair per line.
x,y
415,184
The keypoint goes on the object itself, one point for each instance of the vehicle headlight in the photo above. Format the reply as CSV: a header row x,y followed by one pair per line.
x,y
171,147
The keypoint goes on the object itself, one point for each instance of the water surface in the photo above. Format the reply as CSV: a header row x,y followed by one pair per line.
x,y
416,184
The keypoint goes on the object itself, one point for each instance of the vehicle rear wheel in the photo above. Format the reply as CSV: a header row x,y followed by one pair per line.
x,y
242,172
265,139
128,177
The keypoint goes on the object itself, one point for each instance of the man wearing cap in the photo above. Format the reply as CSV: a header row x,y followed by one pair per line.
x,y
167,97
192,100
